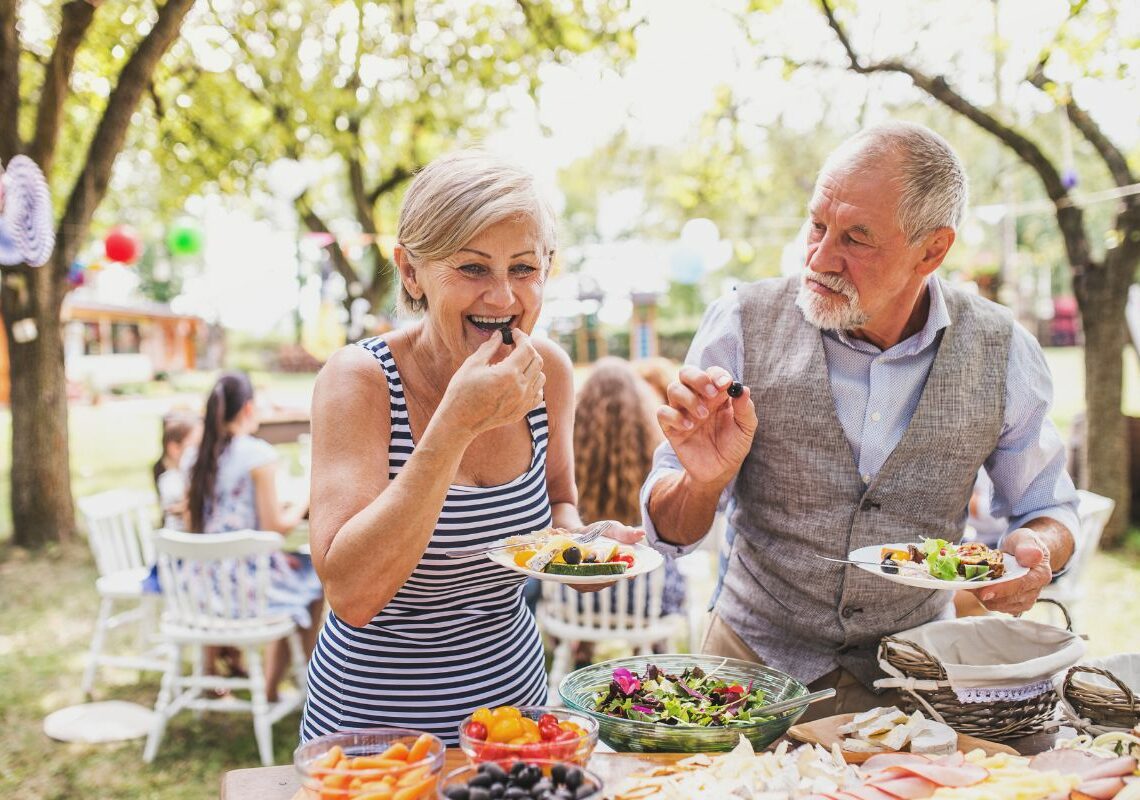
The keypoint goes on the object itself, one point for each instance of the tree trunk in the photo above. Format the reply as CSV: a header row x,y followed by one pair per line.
x,y
42,508
1101,294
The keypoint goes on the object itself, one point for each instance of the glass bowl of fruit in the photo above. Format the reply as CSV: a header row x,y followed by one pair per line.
x,y
521,779
370,762
538,733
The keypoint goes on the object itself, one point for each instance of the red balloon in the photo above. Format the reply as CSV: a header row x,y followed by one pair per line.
x,y
122,245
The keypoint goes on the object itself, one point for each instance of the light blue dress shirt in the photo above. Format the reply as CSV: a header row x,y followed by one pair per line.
x,y
876,393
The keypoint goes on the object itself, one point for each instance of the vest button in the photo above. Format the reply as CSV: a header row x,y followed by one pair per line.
x,y
849,611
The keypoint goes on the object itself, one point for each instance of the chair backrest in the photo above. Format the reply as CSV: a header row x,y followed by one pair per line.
x,y
120,529
1094,511
628,606
215,580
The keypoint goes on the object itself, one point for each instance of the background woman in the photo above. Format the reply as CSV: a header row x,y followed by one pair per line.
x,y
233,486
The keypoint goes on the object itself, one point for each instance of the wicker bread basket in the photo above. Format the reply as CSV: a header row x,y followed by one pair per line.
x,y
1107,707
997,720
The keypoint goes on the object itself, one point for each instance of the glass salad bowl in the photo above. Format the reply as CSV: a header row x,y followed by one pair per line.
x,y
580,689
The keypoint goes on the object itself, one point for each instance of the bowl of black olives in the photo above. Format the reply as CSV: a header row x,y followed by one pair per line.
x,y
521,780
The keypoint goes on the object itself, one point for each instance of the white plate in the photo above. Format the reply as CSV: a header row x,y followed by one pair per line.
x,y
1013,571
645,559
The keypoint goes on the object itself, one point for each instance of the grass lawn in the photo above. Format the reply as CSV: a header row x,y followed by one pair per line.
x,y
49,607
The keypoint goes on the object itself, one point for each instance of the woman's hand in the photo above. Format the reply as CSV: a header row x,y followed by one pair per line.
x,y
710,431
485,393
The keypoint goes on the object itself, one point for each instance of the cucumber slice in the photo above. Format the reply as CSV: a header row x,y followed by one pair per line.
x,y
609,568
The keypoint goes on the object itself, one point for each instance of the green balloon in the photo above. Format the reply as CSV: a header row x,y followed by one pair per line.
x,y
184,240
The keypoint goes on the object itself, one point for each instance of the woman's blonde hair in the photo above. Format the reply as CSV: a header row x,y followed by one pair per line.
x,y
459,195
615,434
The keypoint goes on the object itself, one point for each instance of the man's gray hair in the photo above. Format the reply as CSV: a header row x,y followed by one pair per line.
x,y
932,186
455,198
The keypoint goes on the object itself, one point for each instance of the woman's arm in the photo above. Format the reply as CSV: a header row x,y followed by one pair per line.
x,y
559,394
271,515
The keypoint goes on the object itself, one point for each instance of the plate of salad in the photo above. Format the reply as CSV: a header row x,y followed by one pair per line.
x,y
938,564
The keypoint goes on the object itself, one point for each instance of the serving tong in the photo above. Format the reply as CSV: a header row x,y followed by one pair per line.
x,y
590,534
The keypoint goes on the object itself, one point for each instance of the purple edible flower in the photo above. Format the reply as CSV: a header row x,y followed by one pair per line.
x,y
693,692
626,681
642,709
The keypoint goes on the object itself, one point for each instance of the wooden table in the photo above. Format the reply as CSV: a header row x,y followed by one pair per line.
x,y
282,783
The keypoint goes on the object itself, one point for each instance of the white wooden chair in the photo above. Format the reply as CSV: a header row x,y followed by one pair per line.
x,y
215,589
120,530
570,617
1094,511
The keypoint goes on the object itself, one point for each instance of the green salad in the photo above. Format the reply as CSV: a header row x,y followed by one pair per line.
x,y
689,699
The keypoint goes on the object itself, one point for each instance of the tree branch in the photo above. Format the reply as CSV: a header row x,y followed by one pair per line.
x,y
1069,217
91,185
75,19
394,179
10,144
1115,161
317,225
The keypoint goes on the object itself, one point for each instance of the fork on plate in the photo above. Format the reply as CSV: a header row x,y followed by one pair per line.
x,y
590,534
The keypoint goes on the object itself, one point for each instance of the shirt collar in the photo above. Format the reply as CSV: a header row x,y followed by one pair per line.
x,y
937,318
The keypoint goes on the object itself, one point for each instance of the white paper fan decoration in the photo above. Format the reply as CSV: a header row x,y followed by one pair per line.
x,y
27,211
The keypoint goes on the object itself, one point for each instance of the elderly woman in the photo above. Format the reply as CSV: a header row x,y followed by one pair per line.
x,y
441,435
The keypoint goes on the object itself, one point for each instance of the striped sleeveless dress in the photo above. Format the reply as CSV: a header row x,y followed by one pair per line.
x,y
457,635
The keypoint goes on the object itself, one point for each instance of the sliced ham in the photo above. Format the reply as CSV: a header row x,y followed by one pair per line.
x,y
884,760
955,759
1067,762
1117,767
869,792
904,787
1100,789
965,775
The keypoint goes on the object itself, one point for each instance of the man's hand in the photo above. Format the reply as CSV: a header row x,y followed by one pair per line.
x,y
1017,597
710,431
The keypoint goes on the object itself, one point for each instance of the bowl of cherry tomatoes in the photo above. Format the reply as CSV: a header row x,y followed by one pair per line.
x,y
543,733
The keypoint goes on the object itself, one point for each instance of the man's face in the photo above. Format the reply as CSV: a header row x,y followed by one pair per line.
x,y
860,269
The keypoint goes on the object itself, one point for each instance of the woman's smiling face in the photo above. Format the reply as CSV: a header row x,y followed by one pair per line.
x,y
495,280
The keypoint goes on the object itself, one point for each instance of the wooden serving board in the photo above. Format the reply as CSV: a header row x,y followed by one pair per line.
x,y
825,732
610,767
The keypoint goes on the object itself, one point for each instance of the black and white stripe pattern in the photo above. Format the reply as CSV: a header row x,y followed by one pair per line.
x,y
457,635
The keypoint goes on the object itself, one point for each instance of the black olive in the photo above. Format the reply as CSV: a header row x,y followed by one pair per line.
x,y
735,389
481,781
497,773
585,790
516,793
574,777
890,566
528,776
456,793
478,793
540,788
558,774
517,768
497,790
572,555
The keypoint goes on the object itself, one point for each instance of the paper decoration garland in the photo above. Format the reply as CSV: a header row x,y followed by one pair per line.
x,y
27,212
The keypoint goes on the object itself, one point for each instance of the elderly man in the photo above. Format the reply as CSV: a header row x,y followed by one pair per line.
x,y
874,392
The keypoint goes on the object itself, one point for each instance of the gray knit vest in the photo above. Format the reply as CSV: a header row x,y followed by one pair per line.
x,y
799,492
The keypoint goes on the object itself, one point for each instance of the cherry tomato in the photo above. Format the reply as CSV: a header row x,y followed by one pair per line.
x,y
625,559
736,687
476,731
547,719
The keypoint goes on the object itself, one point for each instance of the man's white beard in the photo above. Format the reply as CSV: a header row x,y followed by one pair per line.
x,y
831,313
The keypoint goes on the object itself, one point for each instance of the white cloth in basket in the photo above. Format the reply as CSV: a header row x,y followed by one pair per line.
x,y
993,658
